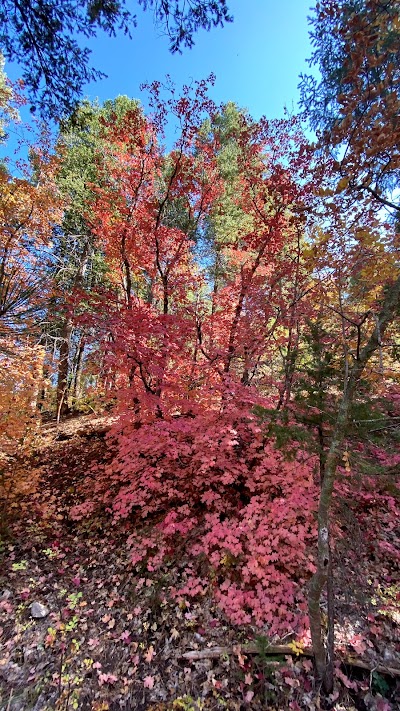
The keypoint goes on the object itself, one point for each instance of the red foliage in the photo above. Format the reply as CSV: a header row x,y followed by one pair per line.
x,y
219,492
180,356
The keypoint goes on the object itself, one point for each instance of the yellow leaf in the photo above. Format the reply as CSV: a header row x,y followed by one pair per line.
x,y
296,647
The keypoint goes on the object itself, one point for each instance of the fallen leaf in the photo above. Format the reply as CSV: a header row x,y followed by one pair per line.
x,y
106,678
149,654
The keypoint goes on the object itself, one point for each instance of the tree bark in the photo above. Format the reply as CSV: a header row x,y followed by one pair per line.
x,y
63,363
75,392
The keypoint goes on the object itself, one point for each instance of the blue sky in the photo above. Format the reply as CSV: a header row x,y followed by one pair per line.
x,y
257,59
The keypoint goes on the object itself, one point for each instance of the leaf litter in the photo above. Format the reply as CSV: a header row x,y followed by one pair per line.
x,y
114,637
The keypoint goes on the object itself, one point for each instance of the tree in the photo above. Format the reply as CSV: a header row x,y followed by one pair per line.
x,y
77,264
355,104
41,36
183,353
356,297
30,207
372,341
29,210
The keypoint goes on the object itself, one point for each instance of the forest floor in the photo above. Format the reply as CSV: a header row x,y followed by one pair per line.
x,y
105,638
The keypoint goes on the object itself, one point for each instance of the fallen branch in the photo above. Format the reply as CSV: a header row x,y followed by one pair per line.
x,y
216,652
359,664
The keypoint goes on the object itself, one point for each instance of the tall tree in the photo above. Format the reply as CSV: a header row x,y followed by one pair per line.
x,y
29,210
371,334
355,108
77,263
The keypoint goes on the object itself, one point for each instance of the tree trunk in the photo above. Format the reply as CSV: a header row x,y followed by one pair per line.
x,y
63,369
324,653
75,390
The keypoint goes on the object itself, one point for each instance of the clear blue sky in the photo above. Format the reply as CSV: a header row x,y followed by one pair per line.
x,y
257,59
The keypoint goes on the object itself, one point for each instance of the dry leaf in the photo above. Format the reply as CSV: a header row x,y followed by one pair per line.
x,y
149,654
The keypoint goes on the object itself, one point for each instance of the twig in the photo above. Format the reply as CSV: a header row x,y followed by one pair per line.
x,y
9,700
359,664
60,674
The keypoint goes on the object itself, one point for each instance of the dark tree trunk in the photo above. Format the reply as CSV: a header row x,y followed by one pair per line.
x,y
75,390
63,371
